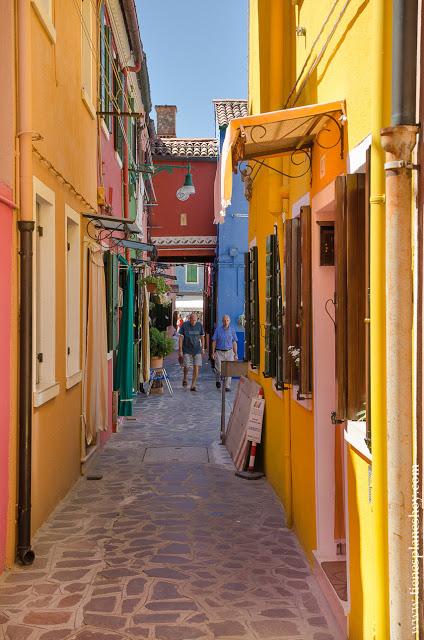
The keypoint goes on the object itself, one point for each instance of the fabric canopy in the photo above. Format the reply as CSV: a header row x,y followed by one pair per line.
x,y
123,379
271,134
95,404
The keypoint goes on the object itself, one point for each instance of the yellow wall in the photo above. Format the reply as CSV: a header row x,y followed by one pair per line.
x,y
346,71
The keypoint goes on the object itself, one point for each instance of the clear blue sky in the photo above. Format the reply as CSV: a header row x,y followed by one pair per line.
x,y
196,51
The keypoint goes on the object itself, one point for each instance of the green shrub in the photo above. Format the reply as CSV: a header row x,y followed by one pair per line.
x,y
159,282
161,345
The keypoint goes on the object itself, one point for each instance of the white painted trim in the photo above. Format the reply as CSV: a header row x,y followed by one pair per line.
x,y
104,128
73,380
45,19
73,341
357,158
110,355
355,435
253,243
118,160
46,197
45,392
87,101
304,201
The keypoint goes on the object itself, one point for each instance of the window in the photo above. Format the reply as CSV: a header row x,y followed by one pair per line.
x,y
183,219
305,305
106,82
87,55
351,296
73,252
44,294
251,305
118,124
192,276
297,304
274,312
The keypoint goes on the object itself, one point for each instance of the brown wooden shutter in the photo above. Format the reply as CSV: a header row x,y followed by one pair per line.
x,y
350,296
270,364
305,313
287,301
295,297
254,308
279,328
247,304
367,298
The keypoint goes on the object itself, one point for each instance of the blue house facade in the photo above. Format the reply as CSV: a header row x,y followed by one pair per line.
x,y
232,242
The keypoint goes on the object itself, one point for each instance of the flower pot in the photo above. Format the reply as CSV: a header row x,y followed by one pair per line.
x,y
156,363
151,287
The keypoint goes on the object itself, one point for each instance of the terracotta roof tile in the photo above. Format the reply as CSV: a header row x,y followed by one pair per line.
x,y
226,110
186,147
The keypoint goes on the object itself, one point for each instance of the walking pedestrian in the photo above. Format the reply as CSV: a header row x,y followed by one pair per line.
x,y
224,347
192,346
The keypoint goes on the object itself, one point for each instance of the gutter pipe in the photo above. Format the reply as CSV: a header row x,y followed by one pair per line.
x,y
377,325
398,141
26,226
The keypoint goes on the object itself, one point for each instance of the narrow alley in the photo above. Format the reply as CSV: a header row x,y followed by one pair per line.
x,y
166,544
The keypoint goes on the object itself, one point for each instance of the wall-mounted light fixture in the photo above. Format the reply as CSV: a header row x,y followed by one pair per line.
x,y
184,192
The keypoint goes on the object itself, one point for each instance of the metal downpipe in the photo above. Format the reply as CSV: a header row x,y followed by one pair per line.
x,y
26,229
398,141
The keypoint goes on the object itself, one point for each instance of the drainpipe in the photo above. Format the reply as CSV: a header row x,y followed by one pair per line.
x,y
26,229
398,142
377,323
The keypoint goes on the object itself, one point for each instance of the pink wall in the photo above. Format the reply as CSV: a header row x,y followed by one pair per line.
x,y
112,175
6,221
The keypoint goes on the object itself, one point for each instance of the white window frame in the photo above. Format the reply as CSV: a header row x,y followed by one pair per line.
x,y
45,387
197,274
44,11
73,296
87,56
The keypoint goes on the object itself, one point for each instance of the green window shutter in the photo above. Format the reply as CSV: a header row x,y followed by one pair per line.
x,y
102,88
191,273
112,300
118,84
108,84
254,308
247,305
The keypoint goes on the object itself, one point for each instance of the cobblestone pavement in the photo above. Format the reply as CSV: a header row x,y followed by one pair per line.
x,y
165,549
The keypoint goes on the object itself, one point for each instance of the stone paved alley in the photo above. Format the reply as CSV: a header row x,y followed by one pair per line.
x,y
180,550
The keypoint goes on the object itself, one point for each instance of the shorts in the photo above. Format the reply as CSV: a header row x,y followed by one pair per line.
x,y
189,359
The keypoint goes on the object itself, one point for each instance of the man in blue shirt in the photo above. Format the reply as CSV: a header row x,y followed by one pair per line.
x,y
224,347
191,347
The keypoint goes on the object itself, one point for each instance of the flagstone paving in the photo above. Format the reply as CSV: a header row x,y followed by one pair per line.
x,y
163,549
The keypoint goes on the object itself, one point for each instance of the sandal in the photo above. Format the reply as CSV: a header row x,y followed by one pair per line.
x,y
193,389
184,383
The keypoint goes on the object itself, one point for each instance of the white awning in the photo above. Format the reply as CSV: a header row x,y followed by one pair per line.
x,y
189,304
275,134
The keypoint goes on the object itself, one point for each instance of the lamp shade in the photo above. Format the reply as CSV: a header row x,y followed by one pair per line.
x,y
188,184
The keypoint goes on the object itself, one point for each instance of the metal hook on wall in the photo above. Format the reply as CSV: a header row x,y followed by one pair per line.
x,y
328,312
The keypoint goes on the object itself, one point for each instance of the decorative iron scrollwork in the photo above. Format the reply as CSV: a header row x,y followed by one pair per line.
x,y
298,158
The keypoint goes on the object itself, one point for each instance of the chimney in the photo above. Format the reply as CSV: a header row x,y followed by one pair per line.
x,y
166,116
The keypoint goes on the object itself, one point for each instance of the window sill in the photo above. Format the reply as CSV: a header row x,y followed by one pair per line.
x,y
74,379
104,128
355,435
45,392
45,20
118,159
306,404
89,105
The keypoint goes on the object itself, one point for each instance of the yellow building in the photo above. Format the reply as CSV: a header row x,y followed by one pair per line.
x,y
313,166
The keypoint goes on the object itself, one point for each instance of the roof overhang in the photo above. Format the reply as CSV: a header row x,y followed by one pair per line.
x,y
113,224
276,134
137,246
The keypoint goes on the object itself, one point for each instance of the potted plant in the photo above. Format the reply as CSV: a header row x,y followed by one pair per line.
x,y
161,345
155,284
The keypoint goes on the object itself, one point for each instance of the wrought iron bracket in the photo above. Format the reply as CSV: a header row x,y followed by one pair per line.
x,y
334,419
